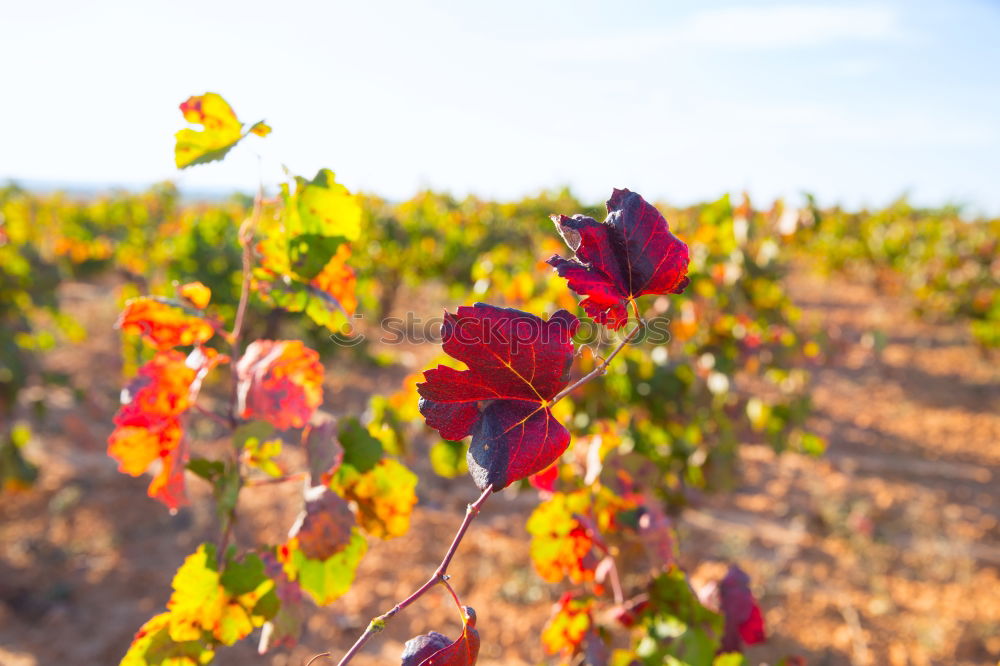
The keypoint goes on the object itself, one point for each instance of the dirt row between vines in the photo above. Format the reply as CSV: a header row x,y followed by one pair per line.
x,y
885,551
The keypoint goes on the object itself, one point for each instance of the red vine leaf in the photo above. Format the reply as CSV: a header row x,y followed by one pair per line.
x,y
324,526
517,363
280,381
744,620
417,649
435,649
629,254
168,485
163,324
546,479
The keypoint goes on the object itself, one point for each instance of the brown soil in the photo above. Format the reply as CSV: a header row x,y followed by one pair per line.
x,y
885,551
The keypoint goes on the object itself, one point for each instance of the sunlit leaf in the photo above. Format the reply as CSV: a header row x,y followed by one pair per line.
x,y
303,253
387,425
163,324
565,631
280,381
206,608
196,293
631,253
744,619
361,450
561,545
221,130
261,455
448,458
284,629
168,485
230,603
327,297
148,426
337,280
324,580
325,525
152,646
384,496
546,479
324,207
260,128
323,451
517,363
310,253
435,649
135,447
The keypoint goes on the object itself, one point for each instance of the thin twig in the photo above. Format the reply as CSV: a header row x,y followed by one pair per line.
x,y
439,576
600,369
609,556
221,420
246,239
227,532
318,656
616,581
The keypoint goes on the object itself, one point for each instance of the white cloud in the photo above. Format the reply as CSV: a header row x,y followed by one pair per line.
x,y
789,26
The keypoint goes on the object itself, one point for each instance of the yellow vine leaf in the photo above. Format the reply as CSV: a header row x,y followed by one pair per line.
x,y
565,631
384,497
197,293
324,580
200,603
152,646
221,130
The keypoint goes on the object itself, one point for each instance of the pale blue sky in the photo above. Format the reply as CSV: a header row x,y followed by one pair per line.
x,y
855,101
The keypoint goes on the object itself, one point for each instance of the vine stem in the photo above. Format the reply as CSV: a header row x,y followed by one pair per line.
x,y
246,233
439,576
246,238
222,421
600,369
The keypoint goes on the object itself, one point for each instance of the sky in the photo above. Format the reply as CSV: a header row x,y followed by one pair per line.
x,y
856,102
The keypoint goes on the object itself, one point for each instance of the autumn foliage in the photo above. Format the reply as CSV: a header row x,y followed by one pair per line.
x,y
517,364
595,517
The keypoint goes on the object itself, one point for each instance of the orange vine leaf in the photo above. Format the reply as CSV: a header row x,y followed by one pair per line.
x,y
162,324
